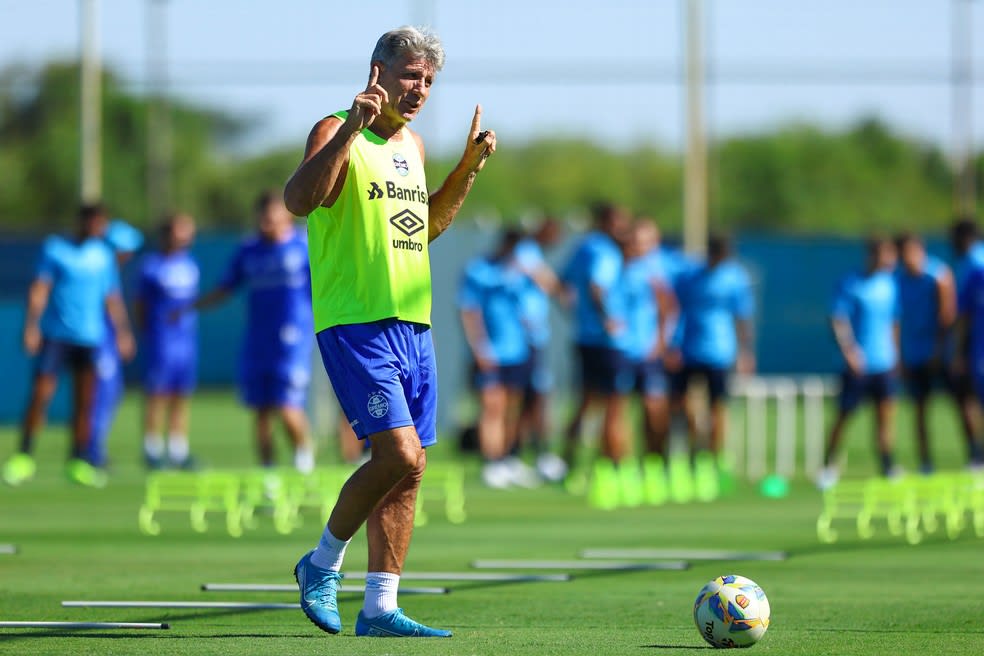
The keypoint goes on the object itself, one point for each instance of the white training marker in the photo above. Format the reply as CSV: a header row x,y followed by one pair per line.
x,y
686,554
243,605
84,625
291,587
615,566
8,549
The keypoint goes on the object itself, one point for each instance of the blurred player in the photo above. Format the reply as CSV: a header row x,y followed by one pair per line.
x,y
865,322
969,356
490,301
168,281
125,240
370,220
716,307
649,304
592,275
76,283
968,250
927,302
542,282
275,367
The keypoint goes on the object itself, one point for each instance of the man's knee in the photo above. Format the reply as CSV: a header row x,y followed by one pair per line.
x,y
398,450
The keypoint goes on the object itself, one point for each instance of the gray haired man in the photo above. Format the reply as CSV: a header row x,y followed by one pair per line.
x,y
370,220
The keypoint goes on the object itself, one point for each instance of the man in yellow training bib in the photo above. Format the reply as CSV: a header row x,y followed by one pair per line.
x,y
370,220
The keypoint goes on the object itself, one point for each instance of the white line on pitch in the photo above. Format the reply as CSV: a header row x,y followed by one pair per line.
x,y
579,565
244,605
84,625
8,549
291,587
686,554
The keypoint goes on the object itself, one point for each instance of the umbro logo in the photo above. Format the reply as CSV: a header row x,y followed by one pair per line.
x,y
407,222
375,191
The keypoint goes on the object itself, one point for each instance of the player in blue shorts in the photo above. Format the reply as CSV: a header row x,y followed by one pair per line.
x,y
371,218
649,304
968,251
125,240
928,305
76,283
542,283
716,308
490,303
168,281
591,275
275,367
865,322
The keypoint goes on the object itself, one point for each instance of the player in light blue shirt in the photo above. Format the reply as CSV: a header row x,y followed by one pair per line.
x,y
927,301
125,240
490,300
716,309
542,283
968,251
591,276
275,367
168,280
76,284
865,322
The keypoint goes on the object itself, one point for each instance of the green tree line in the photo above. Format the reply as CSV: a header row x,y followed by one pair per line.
x,y
794,178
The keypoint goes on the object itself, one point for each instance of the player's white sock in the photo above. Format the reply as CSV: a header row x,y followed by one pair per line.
x,y
177,447
330,552
381,590
304,459
153,445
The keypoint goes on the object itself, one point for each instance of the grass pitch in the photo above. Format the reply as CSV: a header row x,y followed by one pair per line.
x,y
875,597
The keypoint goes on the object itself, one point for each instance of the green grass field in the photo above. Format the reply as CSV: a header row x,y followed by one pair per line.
x,y
876,597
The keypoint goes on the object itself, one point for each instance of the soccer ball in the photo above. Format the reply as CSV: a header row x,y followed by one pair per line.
x,y
731,611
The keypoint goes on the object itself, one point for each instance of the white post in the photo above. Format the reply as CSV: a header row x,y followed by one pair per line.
x,y
695,159
90,109
785,395
814,398
756,428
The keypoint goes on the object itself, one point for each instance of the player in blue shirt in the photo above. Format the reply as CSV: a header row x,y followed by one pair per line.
x,y
865,322
76,283
968,250
969,357
275,368
648,304
168,281
927,301
716,309
542,283
591,276
490,301
125,240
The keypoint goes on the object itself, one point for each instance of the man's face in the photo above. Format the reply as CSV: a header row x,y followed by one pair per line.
x,y
408,82
273,220
883,257
913,255
95,226
182,233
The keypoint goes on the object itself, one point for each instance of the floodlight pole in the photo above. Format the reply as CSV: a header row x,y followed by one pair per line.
x,y
159,145
962,105
90,109
695,157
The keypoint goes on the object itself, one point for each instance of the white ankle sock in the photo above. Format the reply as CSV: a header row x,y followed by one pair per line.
x,y
177,447
304,459
330,552
153,445
381,590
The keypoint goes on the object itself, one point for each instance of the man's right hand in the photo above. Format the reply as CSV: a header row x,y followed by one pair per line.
x,y
855,361
32,339
368,105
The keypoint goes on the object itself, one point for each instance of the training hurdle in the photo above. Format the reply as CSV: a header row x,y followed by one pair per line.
x,y
77,626
194,493
291,587
911,506
798,407
242,605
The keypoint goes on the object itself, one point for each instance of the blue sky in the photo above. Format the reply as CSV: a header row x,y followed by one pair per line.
x,y
606,70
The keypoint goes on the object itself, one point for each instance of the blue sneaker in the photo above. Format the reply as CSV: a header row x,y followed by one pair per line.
x,y
319,588
395,624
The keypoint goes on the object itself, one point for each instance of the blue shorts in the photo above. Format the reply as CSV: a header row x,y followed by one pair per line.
x,y
648,378
604,370
385,376
919,380
171,373
716,377
541,379
877,387
55,354
275,386
512,376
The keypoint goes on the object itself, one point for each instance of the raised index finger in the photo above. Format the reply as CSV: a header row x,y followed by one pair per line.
x,y
373,76
476,125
